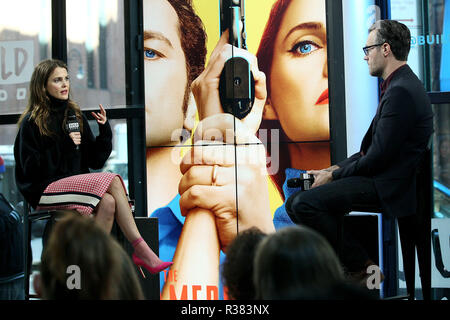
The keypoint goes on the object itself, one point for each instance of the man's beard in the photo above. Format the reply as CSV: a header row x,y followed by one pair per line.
x,y
378,72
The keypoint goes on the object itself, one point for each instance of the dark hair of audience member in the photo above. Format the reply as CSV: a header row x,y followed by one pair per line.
x,y
237,270
106,271
295,263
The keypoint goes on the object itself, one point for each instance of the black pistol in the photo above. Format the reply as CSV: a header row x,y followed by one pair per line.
x,y
237,85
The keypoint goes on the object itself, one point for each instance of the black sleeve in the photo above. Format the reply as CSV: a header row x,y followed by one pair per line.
x,y
349,160
32,155
36,161
8,223
392,130
98,148
3,223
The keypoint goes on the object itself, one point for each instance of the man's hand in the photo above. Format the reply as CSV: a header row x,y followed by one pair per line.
x,y
332,168
321,177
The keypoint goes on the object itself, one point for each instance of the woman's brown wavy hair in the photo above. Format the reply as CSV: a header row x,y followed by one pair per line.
x,y
39,102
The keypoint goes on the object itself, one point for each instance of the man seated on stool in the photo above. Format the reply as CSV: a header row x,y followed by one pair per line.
x,y
383,172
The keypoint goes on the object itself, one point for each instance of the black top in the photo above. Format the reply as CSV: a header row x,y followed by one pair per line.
x,y
41,160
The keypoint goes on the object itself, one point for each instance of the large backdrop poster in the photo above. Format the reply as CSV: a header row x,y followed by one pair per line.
x,y
204,189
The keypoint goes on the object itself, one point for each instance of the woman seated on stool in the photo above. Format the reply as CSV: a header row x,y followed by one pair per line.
x,y
52,163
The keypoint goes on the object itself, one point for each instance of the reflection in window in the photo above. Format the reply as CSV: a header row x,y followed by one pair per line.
x,y
7,178
25,39
118,160
408,12
96,53
96,61
441,160
430,39
438,38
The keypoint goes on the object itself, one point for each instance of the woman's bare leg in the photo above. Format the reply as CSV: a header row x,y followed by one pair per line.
x,y
105,210
125,220
123,215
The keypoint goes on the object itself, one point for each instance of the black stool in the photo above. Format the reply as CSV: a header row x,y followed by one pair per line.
x,y
29,218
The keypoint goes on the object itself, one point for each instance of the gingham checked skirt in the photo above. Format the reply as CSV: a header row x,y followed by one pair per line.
x,y
82,192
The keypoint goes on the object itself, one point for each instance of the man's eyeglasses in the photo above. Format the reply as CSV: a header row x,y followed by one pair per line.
x,y
367,49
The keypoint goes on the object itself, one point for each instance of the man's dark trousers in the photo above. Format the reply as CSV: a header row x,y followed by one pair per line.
x,y
322,207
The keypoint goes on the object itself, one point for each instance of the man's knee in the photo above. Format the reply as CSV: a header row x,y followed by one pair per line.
x,y
303,206
296,206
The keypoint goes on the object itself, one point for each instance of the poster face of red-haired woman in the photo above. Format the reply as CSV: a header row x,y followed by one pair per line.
x,y
208,187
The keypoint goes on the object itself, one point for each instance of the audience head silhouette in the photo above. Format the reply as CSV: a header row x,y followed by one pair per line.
x,y
295,263
83,262
238,266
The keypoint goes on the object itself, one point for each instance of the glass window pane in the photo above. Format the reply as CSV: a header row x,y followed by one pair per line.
x,y
118,160
438,39
25,39
96,62
95,52
441,161
7,176
408,12
430,39
440,233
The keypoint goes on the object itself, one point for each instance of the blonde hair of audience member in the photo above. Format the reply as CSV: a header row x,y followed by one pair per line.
x,y
106,271
295,263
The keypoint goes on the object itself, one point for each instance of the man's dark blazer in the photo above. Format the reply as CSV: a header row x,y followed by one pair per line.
x,y
394,144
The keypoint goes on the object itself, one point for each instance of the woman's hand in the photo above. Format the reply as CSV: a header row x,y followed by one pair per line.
x,y
100,117
214,160
206,87
76,137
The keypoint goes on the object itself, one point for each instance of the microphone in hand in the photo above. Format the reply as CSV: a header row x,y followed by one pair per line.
x,y
304,182
72,125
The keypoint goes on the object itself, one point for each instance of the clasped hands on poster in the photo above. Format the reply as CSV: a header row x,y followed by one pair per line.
x,y
252,191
